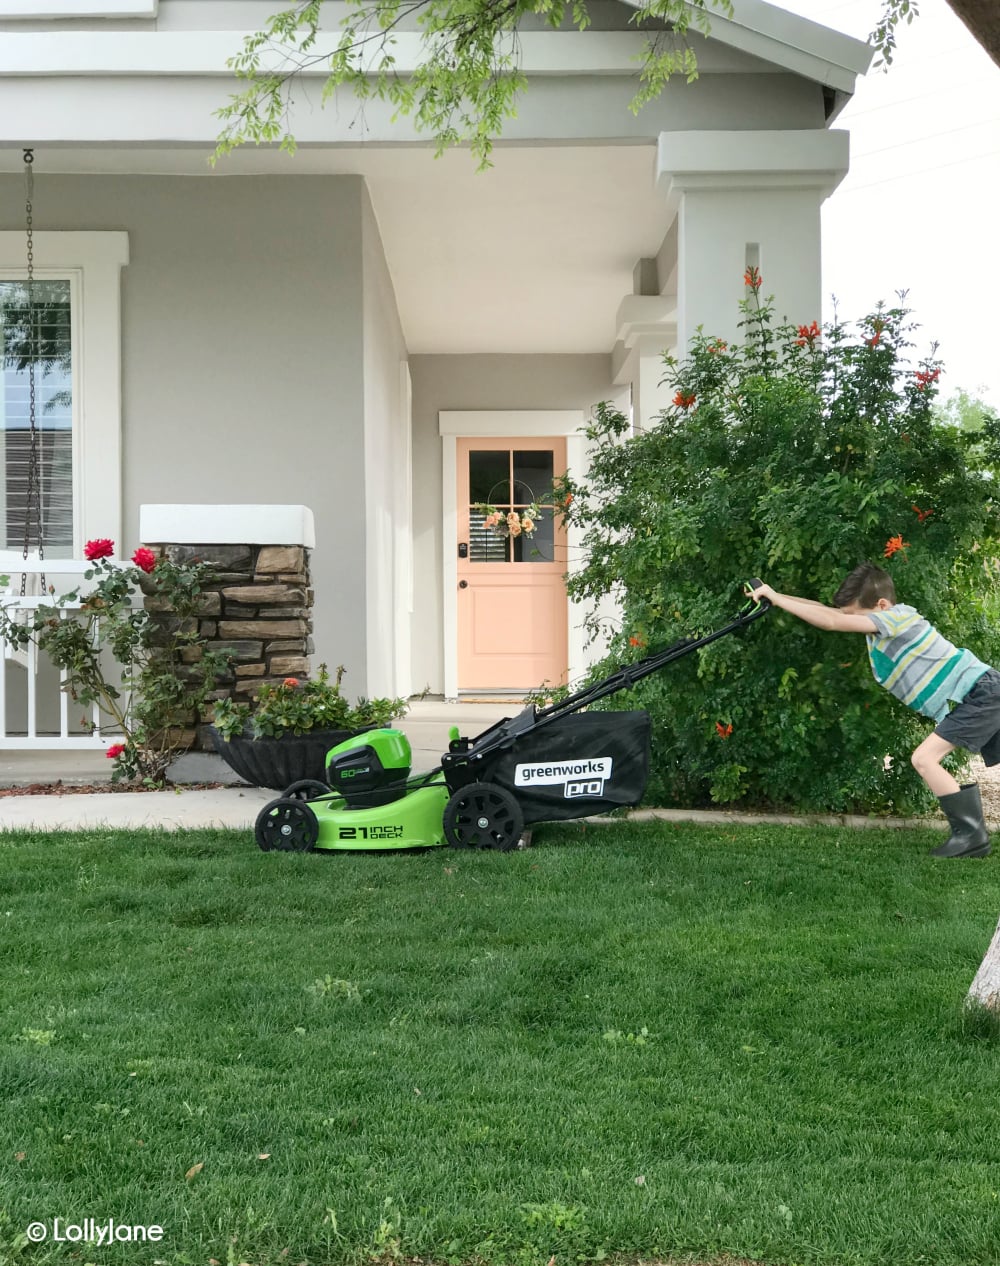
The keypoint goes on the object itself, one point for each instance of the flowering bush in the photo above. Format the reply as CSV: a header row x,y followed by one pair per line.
x,y
141,663
792,457
297,707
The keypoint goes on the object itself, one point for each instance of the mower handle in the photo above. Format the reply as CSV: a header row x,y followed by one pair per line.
x,y
760,605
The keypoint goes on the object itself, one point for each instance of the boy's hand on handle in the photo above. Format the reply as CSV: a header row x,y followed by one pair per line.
x,y
760,592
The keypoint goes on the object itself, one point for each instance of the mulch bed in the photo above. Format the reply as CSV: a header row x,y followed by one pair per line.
x,y
100,788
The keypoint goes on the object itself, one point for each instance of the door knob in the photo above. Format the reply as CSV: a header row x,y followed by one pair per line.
x,y
463,584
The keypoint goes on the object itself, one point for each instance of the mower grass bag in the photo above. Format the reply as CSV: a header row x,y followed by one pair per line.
x,y
584,763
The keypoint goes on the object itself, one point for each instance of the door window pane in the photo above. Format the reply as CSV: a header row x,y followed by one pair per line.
x,y
35,328
485,545
539,547
533,473
489,477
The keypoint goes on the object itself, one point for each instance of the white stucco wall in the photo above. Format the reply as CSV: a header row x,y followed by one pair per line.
x,y
242,355
387,472
476,382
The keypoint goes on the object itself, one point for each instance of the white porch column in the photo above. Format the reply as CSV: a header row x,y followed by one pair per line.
x,y
645,328
748,198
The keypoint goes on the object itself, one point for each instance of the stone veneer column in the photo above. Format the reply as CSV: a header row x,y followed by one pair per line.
x,y
258,603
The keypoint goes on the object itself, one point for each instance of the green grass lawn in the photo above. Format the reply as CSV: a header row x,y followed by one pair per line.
x,y
647,1040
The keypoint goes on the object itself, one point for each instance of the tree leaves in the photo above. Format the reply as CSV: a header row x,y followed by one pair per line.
x,y
467,79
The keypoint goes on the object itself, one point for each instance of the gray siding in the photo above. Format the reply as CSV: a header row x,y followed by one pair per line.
x,y
242,353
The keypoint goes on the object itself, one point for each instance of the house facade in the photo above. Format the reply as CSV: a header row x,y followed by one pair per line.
x,y
387,338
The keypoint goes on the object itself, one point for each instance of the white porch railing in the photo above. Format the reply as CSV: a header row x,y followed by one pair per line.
x,y
30,686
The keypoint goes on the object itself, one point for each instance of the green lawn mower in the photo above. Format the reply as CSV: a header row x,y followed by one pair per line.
x,y
542,765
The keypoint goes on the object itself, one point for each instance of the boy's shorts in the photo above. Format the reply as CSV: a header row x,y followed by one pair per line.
x,y
975,723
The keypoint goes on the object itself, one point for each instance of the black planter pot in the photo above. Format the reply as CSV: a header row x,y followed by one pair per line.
x,y
278,762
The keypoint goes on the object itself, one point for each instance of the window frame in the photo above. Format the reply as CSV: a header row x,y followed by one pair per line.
x,y
92,262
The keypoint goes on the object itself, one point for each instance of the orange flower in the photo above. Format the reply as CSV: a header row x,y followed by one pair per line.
x,y
878,326
718,346
683,401
808,334
637,641
290,681
926,376
752,278
894,544
921,514
724,731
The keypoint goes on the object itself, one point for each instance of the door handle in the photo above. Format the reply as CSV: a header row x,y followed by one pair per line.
x,y
463,550
463,584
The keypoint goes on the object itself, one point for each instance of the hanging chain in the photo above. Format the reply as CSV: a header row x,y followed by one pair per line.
x,y
33,497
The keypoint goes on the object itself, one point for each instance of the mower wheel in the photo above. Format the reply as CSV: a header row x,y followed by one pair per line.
x,y
306,789
483,815
287,825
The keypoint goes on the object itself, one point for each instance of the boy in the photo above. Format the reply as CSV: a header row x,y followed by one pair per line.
x,y
920,667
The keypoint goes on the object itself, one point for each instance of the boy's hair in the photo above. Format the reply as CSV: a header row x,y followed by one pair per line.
x,y
865,585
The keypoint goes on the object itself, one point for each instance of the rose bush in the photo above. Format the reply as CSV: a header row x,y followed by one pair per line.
x,y
131,646
792,456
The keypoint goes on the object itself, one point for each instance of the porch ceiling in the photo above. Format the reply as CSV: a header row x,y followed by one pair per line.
x,y
534,255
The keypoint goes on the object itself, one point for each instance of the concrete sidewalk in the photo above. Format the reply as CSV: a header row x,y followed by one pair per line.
x,y
236,807
229,807
426,725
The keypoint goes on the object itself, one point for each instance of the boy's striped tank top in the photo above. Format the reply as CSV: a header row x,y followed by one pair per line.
x,y
916,664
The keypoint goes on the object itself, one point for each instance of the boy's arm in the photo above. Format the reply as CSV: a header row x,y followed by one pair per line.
x,y
831,619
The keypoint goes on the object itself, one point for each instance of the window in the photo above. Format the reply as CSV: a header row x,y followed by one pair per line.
x,y
75,314
510,479
36,351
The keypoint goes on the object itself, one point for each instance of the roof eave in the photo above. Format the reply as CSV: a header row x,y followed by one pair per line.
x,y
795,43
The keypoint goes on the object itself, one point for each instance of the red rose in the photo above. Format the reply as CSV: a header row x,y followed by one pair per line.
x,y
100,548
290,681
115,750
144,559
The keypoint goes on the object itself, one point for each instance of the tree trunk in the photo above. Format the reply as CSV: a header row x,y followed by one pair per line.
x,y
985,989
982,17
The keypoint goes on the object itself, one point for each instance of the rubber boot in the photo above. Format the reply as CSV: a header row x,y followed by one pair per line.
x,y
969,836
